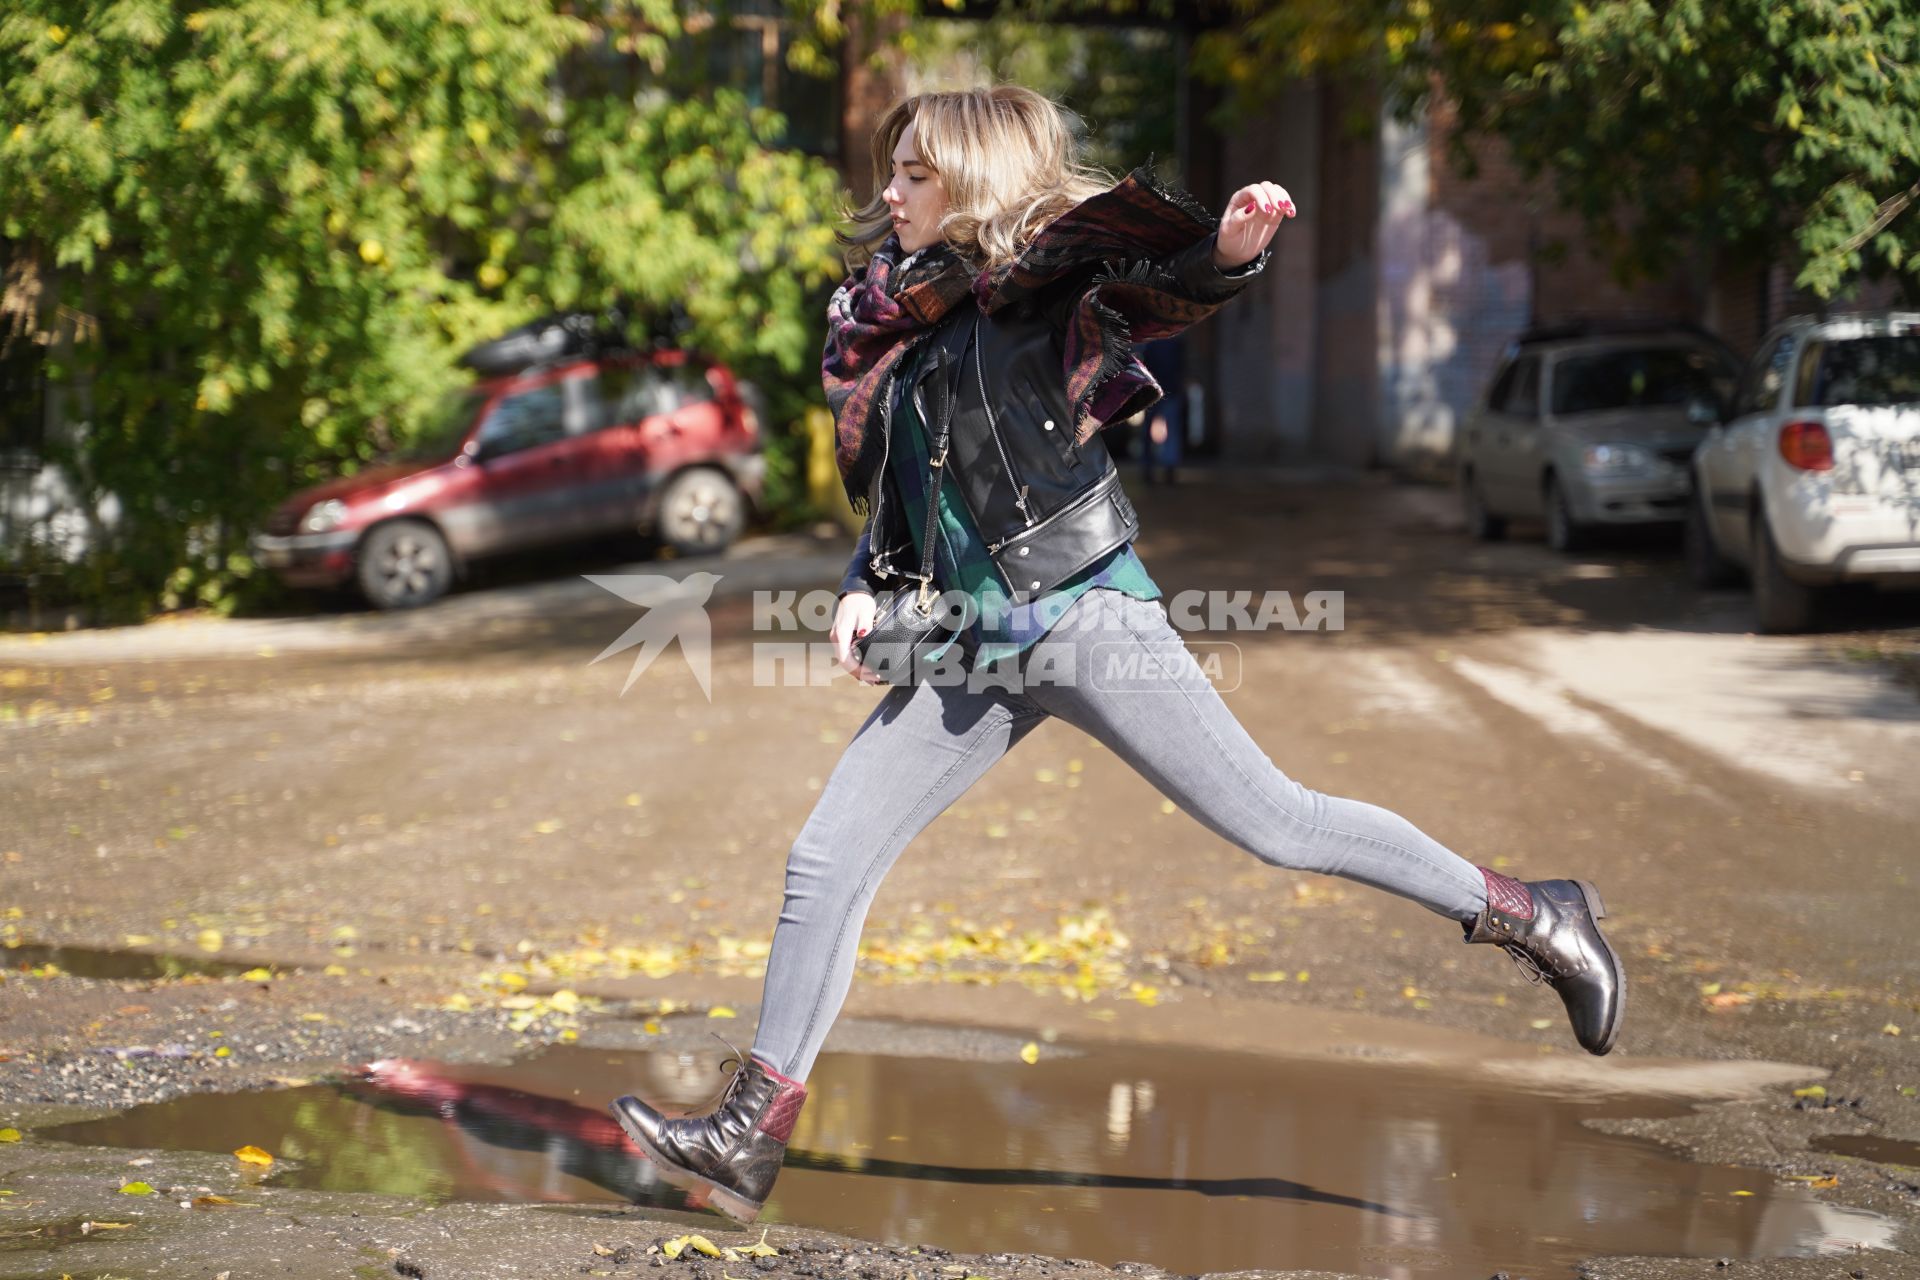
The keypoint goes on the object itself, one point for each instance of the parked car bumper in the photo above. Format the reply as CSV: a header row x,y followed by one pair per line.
x,y
307,559
1645,497
1829,537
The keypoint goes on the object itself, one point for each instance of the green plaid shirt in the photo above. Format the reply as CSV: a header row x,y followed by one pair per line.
x,y
1000,629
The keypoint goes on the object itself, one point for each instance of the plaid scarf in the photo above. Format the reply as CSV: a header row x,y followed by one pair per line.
x,y
1117,239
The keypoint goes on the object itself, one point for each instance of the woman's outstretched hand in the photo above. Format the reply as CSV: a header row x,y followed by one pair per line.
x,y
852,618
1253,215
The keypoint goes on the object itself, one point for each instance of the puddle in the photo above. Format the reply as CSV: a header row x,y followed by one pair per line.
x,y
1865,1146
1194,1161
101,962
50,1235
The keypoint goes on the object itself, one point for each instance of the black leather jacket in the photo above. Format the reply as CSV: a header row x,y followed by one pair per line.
x,y
1046,507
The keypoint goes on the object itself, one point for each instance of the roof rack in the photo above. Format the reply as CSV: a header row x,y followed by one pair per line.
x,y
570,335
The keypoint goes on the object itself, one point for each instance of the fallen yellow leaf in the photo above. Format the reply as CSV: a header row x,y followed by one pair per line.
x,y
1271,975
9,1135
251,1154
699,1244
136,1189
721,1011
1030,1053
1817,1092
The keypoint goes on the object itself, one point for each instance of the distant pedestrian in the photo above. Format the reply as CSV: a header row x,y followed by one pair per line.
x,y
1163,442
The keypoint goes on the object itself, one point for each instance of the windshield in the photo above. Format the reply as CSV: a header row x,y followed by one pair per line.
x,y
1879,370
442,430
1639,378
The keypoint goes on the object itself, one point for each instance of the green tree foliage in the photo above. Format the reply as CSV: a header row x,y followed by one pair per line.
x,y
1760,128
1119,79
275,224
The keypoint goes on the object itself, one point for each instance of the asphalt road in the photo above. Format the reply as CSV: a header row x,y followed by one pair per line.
x,y
437,794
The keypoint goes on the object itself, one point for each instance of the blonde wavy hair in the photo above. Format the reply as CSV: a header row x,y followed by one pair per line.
x,y
1008,158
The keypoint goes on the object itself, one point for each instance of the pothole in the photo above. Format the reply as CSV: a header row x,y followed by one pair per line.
x,y
1193,1161
115,965
1865,1146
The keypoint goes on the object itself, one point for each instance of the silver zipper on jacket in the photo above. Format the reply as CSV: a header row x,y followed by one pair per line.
x,y
1013,477
1099,489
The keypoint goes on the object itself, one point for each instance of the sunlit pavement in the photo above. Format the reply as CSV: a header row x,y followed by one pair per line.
x,y
462,793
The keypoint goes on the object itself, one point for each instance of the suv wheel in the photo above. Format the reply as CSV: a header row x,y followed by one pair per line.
x,y
404,564
1779,603
1564,533
701,512
1482,524
1705,565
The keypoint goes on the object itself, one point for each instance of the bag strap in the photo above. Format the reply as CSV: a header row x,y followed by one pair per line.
x,y
937,468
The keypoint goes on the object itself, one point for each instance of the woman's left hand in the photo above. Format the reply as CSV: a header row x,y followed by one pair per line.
x,y
1253,215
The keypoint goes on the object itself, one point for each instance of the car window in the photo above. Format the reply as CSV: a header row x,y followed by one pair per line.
x,y
1638,378
689,384
1876,369
632,393
524,420
1760,391
1523,398
1502,386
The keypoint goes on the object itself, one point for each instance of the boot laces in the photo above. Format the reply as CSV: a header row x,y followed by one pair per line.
x,y
1530,969
738,1061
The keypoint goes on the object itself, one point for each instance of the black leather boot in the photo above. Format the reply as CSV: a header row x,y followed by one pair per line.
x,y
1548,927
730,1154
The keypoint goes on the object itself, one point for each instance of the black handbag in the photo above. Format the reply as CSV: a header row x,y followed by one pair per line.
x,y
911,622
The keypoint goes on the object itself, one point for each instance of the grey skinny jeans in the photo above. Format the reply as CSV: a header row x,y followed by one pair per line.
x,y
924,745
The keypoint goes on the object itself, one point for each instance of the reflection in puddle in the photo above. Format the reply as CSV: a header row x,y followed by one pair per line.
x,y
1864,1146
111,965
1195,1161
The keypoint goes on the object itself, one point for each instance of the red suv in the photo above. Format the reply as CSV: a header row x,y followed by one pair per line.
x,y
566,449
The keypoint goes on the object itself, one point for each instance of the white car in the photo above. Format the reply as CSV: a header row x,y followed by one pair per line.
x,y
1815,477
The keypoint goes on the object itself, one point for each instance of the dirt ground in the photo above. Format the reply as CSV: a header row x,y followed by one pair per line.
x,y
451,835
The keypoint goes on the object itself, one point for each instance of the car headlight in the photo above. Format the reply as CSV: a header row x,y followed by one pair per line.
x,y
1616,457
322,516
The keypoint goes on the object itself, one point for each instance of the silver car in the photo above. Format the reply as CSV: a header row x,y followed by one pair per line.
x,y
1587,429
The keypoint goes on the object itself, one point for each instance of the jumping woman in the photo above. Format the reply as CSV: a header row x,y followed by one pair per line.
x,y
996,286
